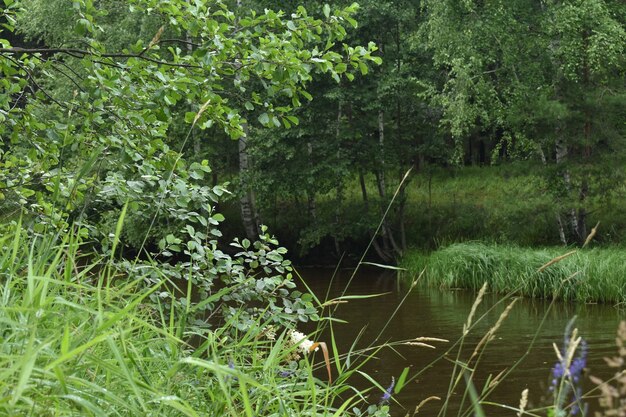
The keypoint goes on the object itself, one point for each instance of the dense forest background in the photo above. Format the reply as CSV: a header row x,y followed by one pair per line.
x,y
499,120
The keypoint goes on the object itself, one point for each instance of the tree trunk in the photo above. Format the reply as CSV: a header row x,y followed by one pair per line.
x,y
339,189
381,149
561,153
561,156
311,205
379,251
380,180
561,229
247,202
249,214
195,139
389,244
401,211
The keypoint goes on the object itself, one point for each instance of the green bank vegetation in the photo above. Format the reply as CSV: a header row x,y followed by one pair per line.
x,y
504,203
79,337
585,275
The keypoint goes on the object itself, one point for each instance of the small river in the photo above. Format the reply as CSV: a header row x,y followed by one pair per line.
x,y
430,312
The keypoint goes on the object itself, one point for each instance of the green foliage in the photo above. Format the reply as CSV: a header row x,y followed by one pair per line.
x,y
123,106
312,165
591,39
469,82
505,61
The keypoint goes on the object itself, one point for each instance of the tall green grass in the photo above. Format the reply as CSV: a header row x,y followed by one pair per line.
x,y
587,275
77,341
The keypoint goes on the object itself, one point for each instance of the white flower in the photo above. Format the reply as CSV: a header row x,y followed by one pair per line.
x,y
300,339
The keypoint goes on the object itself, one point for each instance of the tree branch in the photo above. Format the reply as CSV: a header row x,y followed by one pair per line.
x,y
183,41
81,53
32,79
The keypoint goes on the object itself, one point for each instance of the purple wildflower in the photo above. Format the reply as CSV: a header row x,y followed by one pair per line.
x,y
576,371
576,368
387,395
557,374
566,376
579,363
285,374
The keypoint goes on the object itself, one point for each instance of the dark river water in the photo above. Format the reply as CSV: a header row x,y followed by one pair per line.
x,y
527,335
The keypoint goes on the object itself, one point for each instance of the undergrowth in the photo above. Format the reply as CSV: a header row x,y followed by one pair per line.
x,y
79,338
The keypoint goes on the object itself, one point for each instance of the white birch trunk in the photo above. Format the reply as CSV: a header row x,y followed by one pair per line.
x,y
247,203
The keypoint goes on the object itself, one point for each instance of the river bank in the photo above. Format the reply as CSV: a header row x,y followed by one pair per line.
x,y
595,275
511,203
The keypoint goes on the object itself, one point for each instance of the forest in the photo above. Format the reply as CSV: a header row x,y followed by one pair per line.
x,y
165,163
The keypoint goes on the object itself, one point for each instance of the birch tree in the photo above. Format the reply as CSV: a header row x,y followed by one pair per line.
x,y
537,79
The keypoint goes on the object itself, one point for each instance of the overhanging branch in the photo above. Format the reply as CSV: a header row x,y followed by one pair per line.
x,y
80,53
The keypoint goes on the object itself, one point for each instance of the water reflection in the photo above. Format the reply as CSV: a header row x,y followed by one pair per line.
x,y
528,333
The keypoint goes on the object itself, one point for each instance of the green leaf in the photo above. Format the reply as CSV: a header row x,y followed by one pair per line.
x,y
264,119
196,175
475,398
352,22
118,229
363,68
401,380
83,26
326,11
341,68
189,116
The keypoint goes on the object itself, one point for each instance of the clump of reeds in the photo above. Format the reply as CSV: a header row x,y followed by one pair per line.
x,y
588,275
